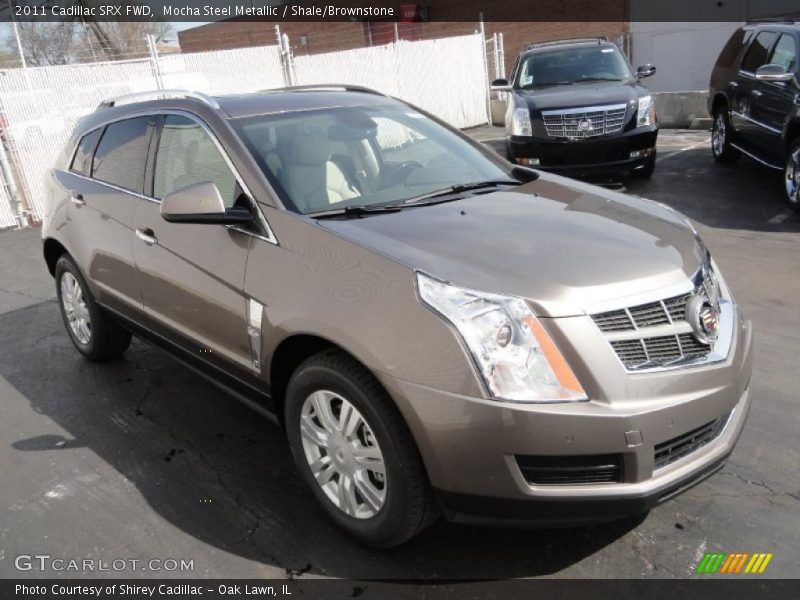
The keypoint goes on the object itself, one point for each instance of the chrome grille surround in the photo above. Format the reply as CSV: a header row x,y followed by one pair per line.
x,y
653,334
601,120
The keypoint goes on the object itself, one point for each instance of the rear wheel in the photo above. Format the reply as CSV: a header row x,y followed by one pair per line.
x,y
355,452
92,332
721,138
792,176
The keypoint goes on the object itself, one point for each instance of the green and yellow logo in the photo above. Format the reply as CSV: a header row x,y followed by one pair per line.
x,y
736,563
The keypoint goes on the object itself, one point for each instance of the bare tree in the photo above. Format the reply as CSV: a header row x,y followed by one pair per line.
x,y
82,41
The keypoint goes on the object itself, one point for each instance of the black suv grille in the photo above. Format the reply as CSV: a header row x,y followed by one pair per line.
x,y
564,470
679,447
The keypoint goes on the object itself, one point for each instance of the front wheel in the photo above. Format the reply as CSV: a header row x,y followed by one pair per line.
x,y
792,176
354,451
721,138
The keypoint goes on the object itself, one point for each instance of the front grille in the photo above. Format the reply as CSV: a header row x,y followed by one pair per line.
x,y
596,120
571,470
644,315
659,350
679,447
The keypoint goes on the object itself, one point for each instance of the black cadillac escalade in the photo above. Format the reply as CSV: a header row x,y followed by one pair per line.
x,y
576,105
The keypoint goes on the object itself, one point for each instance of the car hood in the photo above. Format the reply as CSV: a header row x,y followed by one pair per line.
x,y
566,246
580,95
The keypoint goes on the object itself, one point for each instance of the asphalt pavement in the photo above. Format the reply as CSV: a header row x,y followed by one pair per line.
x,y
139,459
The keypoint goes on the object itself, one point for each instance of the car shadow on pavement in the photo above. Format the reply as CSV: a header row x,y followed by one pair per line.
x,y
214,470
745,195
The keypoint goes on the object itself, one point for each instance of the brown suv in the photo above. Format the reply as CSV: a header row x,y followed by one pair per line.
x,y
435,329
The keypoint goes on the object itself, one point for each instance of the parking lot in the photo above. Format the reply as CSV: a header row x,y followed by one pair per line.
x,y
141,459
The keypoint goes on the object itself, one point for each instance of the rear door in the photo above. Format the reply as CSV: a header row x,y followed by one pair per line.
x,y
105,183
744,105
774,100
192,276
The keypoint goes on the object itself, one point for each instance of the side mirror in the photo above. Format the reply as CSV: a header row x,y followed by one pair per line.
x,y
500,85
773,73
201,203
645,71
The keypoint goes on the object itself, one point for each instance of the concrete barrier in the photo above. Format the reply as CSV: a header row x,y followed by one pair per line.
x,y
682,110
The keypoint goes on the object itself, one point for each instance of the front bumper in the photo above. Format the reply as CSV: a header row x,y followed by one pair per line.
x,y
470,445
604,154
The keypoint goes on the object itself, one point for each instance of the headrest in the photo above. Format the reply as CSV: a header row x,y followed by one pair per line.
x,y
311,149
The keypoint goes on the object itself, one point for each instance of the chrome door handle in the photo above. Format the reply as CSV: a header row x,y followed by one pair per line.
x,y
147,236
757,93
77,198
734,84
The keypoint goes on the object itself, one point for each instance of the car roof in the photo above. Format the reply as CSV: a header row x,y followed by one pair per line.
x,y
787,26
234,106
564,44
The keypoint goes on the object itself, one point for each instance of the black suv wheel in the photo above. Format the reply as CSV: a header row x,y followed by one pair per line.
x,y
721,138
792,176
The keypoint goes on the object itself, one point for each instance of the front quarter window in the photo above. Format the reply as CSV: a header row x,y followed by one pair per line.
x,y
327,159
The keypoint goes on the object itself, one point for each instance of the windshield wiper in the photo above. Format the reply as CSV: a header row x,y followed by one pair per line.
x,y
460,189
357,211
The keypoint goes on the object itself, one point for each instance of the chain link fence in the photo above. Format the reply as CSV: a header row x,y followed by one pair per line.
x,y
40,106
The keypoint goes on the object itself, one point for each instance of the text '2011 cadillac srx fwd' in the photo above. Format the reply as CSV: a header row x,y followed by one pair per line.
x,y
436,330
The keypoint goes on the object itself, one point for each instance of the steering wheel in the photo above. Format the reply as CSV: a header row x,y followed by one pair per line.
x,y
401,173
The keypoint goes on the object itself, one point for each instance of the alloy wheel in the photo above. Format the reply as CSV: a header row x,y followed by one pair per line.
x,y
792,176
75,308
719,134
343,454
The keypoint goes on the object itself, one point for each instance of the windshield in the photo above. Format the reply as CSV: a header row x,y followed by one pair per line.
x,y
573,65
328,159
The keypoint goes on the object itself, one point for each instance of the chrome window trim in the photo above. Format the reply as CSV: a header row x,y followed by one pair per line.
x,y
759,123
270,237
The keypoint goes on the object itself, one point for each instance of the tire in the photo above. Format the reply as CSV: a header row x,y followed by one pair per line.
x,y
646,172
721,138
393,508
791,176
92,332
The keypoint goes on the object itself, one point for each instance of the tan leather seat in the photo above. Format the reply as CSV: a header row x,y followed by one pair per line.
x,y
312,180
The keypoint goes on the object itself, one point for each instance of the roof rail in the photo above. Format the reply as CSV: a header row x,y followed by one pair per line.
x,y
158,95
599,40
327,86
778,20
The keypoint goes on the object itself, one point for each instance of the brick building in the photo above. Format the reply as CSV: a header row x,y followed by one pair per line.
x,y
436,19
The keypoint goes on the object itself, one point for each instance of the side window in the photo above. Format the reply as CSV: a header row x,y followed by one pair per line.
x,y
785,53
758,51
82,161
731,49
187,155
121,155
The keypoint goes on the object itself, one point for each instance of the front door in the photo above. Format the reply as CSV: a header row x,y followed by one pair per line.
x,y
192,276
745,99
775,99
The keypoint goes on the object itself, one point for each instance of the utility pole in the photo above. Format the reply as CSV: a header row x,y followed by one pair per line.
x,y
151,46
16,35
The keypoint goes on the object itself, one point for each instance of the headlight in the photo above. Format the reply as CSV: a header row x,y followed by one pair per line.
x,y
516,357
521,122
646,115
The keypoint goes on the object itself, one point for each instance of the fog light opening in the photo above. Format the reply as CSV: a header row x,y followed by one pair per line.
x,y
642,153
528,162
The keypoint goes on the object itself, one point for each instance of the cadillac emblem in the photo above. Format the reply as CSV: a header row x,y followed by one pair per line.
x,y
584,124
703,316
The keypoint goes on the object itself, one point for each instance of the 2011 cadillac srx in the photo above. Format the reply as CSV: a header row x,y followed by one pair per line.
x,y
437,330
